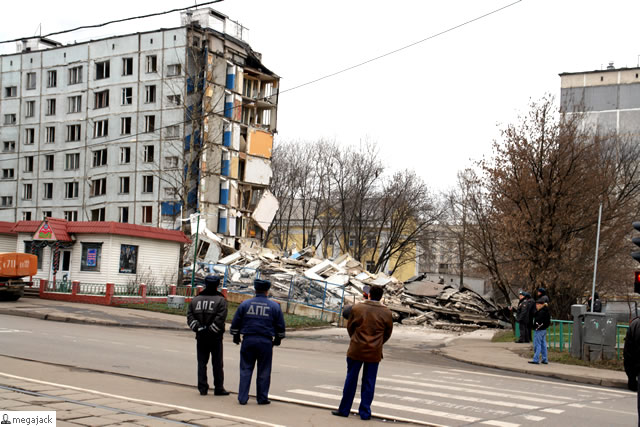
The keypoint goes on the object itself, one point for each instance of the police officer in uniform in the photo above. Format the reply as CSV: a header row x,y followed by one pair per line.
x,y
206,316
261,322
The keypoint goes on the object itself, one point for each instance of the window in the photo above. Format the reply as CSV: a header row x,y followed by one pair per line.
x,y
72,161
27,191
31,81
71,190
101,99
28,164
124,214
52,78
172,131
99,187
174,70
50,134
127,96
352,242
125,125
75,75
102,70
10,91
26,216
371,266
98,214
9,119
9,146
125,155
174,99
7,173
276,240
30,108
100,158
124,185
170,192
147,214
75,103
49,162
148,153
127,66
149,123
7,201
152,63
30,248
147,183
51,107
91,253
371,242
29,136
171,162
71,215
73,133
48,190
150,94
101,128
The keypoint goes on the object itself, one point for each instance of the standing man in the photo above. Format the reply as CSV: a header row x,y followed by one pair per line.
x,y
632,358
206,316
522,316
261,322
541,321
370,325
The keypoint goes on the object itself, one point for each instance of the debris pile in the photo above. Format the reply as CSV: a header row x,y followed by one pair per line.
x,y
324,283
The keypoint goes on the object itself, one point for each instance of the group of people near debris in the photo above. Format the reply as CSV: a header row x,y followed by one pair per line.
x,y
533,316
259,325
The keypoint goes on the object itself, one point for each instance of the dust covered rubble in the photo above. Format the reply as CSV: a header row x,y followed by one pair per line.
x,y
323,283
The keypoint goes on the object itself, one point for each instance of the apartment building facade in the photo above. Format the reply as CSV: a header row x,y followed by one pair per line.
x,y
142,128
609,98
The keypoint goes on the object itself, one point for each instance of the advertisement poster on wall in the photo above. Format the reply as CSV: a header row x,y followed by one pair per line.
x,y
128,259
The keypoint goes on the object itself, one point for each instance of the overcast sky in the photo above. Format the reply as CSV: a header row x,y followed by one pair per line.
x,y
434,107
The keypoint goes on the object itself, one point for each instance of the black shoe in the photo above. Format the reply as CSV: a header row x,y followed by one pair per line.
x,y
534,363
203,392
338,414
242,403
222,392
264,402
545,363
365,419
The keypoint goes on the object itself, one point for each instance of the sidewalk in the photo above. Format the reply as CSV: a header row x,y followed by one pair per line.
x,y
477,349
474,348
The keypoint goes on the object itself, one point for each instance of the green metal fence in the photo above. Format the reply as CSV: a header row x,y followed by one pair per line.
x,y
92,289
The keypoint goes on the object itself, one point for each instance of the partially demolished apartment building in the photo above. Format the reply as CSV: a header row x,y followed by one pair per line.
x,y
142,128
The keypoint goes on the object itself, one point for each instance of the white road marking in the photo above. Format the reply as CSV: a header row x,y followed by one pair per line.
x,y
533,417
116,343
376,414
576,405
171,351
592,388
14,331
146,402
460,397
499,423
499,390
143,346
600,408
422,411
469,390
596,401
552,410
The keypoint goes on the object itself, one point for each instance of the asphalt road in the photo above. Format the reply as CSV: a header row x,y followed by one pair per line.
x,y
310,367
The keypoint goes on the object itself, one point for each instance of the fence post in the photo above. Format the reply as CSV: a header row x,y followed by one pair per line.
x,y
75,287
172,289
199,289
324,298
289,296
109,293
189,291
562,337
43,287
143,291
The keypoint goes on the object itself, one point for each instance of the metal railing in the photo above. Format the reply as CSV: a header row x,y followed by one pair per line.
x,y
92,289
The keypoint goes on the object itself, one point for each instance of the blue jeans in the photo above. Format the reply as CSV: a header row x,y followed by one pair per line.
x,y
369,375
540,345
255,348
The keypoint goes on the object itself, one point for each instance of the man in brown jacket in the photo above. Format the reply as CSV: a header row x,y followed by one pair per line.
x,y
370,325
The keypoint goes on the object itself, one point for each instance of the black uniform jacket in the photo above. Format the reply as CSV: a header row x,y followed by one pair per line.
x,y
208,311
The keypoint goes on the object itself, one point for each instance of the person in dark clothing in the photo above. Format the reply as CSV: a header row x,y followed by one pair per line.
x,y
206,316
522,316
541,294
541,321
597,304
631,354
261,322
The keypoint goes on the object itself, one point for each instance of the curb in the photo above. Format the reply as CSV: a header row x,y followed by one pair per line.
x,y
65,319
604,382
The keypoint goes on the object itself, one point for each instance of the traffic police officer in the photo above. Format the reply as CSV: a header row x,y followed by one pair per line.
x,y
206,316
261,322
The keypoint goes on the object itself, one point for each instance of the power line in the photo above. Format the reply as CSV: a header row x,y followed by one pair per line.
x,y
219,112
83,27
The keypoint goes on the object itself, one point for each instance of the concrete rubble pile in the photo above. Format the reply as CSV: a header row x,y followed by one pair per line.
x,y
445,307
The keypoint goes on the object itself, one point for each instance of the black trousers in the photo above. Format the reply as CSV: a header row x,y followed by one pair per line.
x,y
210,344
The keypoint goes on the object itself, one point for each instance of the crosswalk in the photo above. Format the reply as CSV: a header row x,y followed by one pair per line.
x,y
455,397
